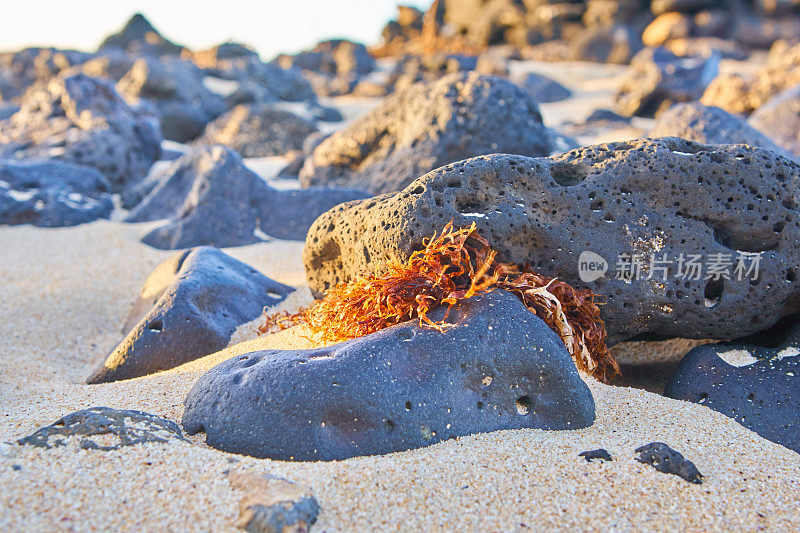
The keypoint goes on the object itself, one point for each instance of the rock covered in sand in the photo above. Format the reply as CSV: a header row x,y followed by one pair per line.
x,y
188,307
425,126
497,367
628,202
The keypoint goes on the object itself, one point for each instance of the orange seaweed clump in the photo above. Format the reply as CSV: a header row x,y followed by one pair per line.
x,y
454,266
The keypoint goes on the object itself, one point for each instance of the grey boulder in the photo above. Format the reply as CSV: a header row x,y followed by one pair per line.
x,y
259,130
425,126
710,125
175,87
52,193
658,79
188,307
83,120
542,89
779,118
497,367
139,37
627,202
211,197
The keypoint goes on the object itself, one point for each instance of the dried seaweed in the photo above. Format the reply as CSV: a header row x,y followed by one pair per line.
x,y
453,266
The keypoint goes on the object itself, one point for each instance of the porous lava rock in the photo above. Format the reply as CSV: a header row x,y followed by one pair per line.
x,y
127,427
425,126
259,130
626,202
664,459
211,198
83,120
272,504
756,385
498,366
188,307
52,193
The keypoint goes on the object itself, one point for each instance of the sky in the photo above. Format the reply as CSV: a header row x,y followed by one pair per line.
x,y
270,26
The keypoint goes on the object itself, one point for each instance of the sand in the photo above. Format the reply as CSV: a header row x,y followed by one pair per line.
x,y
66,292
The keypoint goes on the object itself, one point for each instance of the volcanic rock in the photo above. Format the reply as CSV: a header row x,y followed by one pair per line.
x,y
127,427
52,193
779,118
188,307
627,202
498,366
83,120
425,126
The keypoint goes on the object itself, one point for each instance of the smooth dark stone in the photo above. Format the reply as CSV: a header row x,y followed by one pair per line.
x,y
189,307
592,455
763,396
407,386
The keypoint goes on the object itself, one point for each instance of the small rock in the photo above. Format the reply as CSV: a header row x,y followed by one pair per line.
x,y
273,505
600,454
188,307
497,367
665,459
112,428
542,89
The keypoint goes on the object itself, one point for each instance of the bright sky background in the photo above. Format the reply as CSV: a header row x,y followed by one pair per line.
x,y
271,26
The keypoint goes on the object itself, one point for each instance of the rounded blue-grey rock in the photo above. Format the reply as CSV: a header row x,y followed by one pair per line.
x,y
498,366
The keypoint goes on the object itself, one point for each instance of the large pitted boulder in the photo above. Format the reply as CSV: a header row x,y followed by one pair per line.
x,y
259,130
211,197
83,120
52,193
744,93
709,125
188,307
758,386
425,126
625,202
497,367
658,79
139,37
779,118
176,89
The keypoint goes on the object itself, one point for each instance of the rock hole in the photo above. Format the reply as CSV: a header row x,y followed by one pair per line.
x,y
713,292
524,404
408,406
389,425
405,335
567,174
156,326
480,405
